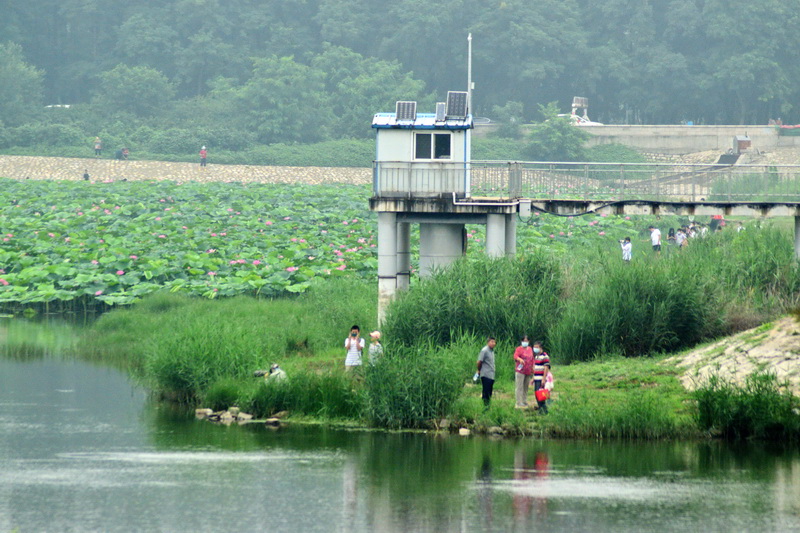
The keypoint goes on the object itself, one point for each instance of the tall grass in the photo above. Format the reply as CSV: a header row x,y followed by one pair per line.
x,y
182,345
637,309
641,416
409,387
506,298
760,408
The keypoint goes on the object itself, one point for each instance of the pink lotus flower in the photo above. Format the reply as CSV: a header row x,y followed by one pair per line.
x,y
291,269
294,239
51,234
602,233
324,231
213,234
311,257
134,257
162,236
94,261
344,222
158,218
341,267
80,213
287,218
212,273
355,220
256,262
627,218
604,214
3,282
98,293
268,222
120,272
211,251
561,233
552,236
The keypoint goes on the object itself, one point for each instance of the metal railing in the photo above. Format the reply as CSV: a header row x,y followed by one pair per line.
x,y
634,181
419,179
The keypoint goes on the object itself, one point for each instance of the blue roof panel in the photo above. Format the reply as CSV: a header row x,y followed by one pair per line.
x,y
424,121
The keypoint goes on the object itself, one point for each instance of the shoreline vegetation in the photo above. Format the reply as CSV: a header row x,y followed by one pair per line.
x,y
203,353
290,278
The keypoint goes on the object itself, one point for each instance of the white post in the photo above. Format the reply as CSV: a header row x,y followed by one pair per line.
x,y
403,255
439,245
511,235
387,261
495,235
797,237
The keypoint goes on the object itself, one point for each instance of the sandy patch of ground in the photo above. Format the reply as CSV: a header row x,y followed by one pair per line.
x,y
61,168
774,347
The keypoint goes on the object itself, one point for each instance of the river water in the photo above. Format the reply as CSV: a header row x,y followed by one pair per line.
x,y
84,449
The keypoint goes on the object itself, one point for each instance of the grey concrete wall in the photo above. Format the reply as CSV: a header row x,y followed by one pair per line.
x,y
668,139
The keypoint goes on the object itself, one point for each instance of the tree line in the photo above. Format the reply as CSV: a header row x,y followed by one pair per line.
x,y
244,72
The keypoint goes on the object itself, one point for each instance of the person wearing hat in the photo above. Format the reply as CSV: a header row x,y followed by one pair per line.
x,y
276,373
375,348
203,156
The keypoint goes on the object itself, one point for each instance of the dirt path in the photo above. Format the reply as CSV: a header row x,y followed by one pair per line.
x,y
774,347
61,168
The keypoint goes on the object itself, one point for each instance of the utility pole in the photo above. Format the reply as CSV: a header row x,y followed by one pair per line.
x,y
469,74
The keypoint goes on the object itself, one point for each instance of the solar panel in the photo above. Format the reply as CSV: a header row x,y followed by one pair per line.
x,y
441,111
406,111
456,104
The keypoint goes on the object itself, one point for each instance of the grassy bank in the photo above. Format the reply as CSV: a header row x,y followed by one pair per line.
x,y
606,324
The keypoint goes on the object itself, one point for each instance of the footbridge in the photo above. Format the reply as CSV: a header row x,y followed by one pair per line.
x,y
443,196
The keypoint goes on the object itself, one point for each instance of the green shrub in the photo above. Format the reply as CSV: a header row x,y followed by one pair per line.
x,y
330,395
641,416
761,408
505,298
648,306
411,387
223,394
614,153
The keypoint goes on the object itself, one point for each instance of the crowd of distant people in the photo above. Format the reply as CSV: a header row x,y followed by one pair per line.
x,y
679,238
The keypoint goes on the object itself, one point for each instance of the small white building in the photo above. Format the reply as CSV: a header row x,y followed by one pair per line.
x,y
421,176
423,154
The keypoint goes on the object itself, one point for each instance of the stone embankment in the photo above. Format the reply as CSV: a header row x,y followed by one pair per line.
x,y
772,347
61,168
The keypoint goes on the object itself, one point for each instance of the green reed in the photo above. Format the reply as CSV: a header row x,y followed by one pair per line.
x,y
760,408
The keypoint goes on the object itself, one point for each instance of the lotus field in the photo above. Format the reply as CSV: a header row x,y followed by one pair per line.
x,y
71,245
75,245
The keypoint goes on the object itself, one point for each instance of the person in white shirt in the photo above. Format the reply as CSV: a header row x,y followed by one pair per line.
x,y
655,239
355,347
627,249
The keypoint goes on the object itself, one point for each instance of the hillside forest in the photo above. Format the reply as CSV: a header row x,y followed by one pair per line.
x,y
239,73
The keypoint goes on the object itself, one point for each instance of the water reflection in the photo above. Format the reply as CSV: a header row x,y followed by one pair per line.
x,y
85,449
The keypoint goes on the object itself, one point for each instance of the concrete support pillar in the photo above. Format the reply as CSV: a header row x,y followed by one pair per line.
x,y
511,235
403,255
439,245
797,237
387,261
495,235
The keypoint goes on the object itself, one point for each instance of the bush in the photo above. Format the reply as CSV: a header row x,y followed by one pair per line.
x,y
643,416
411,387
505,298
328,395
638,309
761,408
614,153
